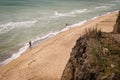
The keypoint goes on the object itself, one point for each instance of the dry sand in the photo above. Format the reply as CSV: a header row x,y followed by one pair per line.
x,y
47,60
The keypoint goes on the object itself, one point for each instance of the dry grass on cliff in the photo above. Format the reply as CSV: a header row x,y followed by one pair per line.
x,y
104,51
95,56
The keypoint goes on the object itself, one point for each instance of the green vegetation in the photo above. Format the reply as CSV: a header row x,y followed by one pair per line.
x,y
104,52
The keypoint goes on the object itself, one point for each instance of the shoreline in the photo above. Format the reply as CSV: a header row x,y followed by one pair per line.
x,y
53,50
39,40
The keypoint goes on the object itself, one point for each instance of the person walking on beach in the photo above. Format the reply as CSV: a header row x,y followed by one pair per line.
x,y
30,44
66,24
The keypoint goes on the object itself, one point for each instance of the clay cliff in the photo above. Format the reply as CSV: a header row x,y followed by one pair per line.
x,y
95,56
117,25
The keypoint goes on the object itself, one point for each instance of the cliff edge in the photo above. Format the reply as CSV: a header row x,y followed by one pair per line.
x,y
95,56
117,25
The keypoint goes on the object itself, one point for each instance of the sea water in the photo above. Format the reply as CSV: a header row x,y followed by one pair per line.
x,y
22,21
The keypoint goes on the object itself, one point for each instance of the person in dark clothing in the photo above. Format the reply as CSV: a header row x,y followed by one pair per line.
x,y
30,44
66,24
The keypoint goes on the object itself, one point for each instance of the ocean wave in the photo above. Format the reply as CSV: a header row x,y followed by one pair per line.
x,y
105,4
116,1
15,55
44,37
58,14
78,24
102,7
78,11
11,25
70,14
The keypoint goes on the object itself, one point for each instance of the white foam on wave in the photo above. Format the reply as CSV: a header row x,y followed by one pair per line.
x,y
106,4
102,7
67,14
109,13
95,17
70,14
15,55
103,15
74,25
62,14
78,24
11,25
44,37
78,11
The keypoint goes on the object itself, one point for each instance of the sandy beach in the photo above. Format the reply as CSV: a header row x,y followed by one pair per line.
x,y
47,61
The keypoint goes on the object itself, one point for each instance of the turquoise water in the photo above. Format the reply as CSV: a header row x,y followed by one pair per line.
x,y
22,21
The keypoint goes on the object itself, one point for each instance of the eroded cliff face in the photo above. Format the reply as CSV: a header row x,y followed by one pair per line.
x,y
117,25
95,56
